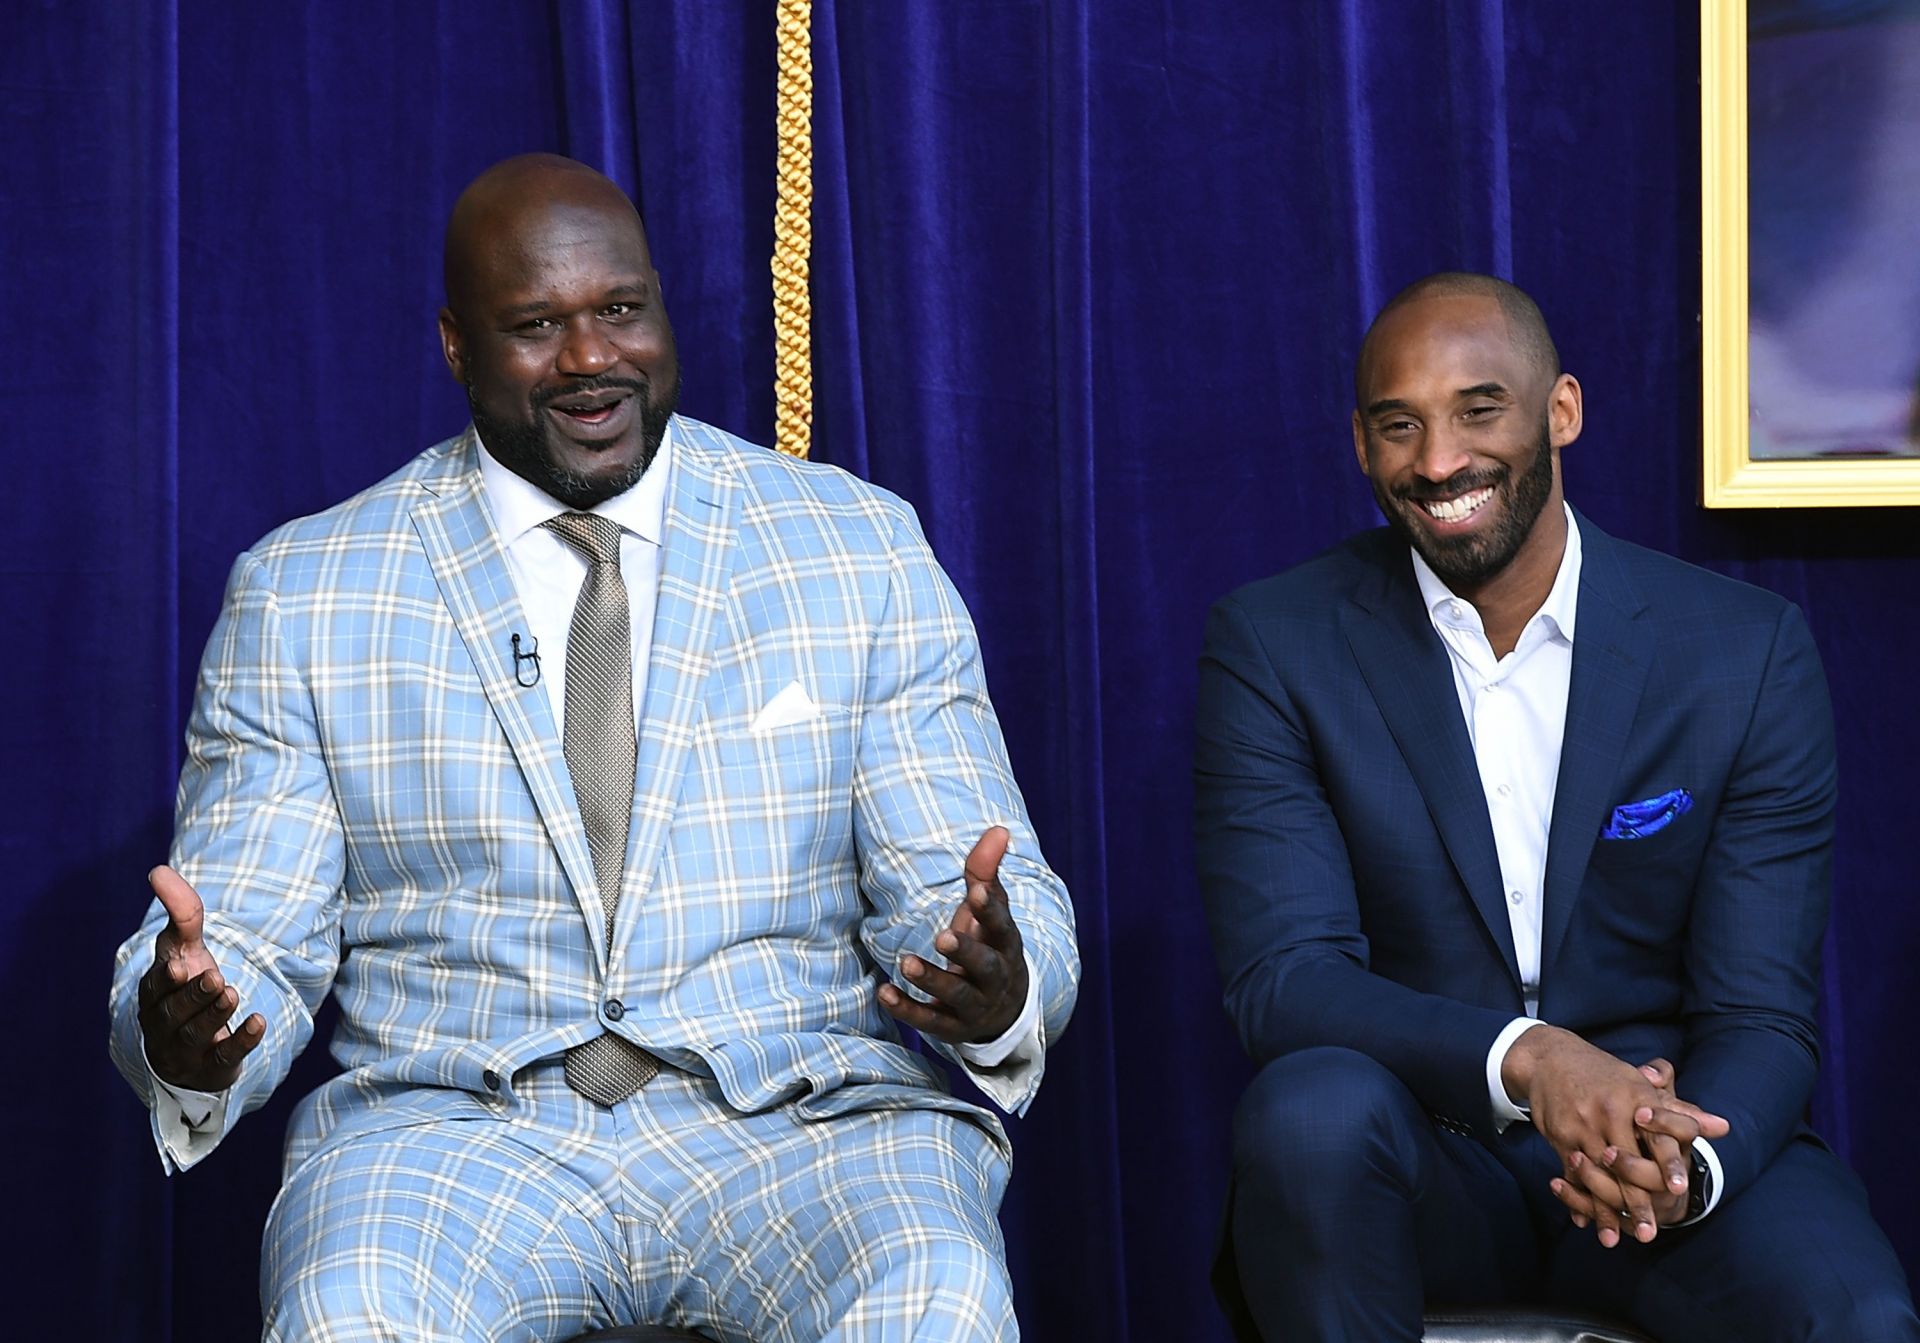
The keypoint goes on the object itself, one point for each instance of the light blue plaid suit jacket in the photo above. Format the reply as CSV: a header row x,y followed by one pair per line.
x,y
373,805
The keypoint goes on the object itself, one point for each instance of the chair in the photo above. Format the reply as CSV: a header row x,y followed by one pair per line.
x,y
1514,1324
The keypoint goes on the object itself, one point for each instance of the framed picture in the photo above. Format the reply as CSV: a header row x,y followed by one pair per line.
x,y
1810,267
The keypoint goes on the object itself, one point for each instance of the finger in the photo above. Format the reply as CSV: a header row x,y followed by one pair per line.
x,y
1665,1151
185,912
983,863
947,988
1711,1125
1659,1072
229,1048
1662,1122
983,965
171,991
1610,1216
1578,1202
927,1018
194,997
1635,1171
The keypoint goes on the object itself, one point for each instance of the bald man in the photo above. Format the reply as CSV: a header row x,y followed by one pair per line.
x,y
1516,841
624,783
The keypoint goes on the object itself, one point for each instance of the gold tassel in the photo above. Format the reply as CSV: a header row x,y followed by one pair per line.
x,y
793,233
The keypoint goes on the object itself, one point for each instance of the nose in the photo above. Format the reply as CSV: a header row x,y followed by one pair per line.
x,y
586,349
1442,455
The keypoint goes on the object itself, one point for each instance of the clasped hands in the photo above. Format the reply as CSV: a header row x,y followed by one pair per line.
x,y
984,987
1621,1132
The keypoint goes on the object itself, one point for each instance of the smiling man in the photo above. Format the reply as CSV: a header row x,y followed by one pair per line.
x,y
624,783
1515,841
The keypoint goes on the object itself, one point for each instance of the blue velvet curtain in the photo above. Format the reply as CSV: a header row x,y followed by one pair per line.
x,y
1088,279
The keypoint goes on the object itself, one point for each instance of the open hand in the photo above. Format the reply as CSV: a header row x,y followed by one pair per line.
x,y
185,1002
980,993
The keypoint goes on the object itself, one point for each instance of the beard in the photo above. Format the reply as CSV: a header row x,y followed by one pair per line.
x,y
521,445
1465,562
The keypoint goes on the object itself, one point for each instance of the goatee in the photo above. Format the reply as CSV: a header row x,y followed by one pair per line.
x,y
521,446
1465,562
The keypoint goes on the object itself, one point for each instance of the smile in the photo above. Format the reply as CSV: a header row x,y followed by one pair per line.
x,y
1457,510
591,409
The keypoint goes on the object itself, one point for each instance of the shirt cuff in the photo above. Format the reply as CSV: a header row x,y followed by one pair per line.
x,y
1716,1183
188,1124
1505,1112
1008,1069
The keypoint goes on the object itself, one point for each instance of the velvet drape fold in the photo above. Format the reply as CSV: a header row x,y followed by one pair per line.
x,y
1088,279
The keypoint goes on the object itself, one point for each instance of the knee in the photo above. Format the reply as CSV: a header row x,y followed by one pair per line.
x,y
347,1303
1320,1113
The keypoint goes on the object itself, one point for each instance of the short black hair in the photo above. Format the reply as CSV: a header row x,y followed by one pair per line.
x,y
1528,327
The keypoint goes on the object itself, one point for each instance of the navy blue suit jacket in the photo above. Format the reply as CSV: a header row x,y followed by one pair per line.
x,y
1348,862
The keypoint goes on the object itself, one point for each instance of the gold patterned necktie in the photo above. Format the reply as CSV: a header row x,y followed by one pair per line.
x,y
600,750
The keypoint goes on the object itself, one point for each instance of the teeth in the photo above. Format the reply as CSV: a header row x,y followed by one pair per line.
x,y
1455,510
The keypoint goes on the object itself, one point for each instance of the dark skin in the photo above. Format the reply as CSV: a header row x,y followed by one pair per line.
x,y
980,993
555,325
1454,409
186,1004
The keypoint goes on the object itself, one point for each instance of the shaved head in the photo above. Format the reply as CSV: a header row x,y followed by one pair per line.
x,y
501,202
1526,328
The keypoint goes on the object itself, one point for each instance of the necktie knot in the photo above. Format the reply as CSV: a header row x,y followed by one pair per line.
x,y
594,536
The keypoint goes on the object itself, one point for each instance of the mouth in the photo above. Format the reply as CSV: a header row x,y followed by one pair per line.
x,y
592,416
1456,510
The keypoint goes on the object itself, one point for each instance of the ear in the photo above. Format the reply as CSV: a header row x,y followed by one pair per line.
x,y
453,345
1564,417
1360,444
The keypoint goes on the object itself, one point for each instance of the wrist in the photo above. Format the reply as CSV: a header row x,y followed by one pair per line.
x,y
1522,1062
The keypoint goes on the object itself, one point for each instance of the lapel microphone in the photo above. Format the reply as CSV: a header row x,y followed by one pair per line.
x,y
526,666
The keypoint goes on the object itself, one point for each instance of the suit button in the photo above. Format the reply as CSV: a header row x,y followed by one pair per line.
x,y
613,1009
492,1079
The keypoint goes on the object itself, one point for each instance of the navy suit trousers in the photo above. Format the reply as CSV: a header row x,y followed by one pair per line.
x,y
1351,1209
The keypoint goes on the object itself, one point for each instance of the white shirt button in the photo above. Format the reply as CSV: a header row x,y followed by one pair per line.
x,y
1453,609
1505,790
1514,896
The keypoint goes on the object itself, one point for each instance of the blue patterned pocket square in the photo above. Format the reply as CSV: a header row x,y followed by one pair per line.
x,y
1637,820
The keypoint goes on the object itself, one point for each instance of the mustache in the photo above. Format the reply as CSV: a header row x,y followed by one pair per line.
x,y
602,382
1459,483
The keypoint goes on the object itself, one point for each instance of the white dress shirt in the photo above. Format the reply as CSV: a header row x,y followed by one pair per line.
x,y
548,575
1516,714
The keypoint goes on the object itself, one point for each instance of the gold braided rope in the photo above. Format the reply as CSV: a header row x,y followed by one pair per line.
x,y
793,233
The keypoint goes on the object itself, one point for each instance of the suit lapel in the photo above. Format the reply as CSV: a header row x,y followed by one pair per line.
x,y
471,571
1612,650
1406,668
696,565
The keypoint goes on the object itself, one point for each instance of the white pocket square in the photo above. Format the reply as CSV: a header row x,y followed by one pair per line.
x,y
790,706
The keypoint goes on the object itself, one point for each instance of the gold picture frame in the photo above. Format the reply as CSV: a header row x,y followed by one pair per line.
x,y
1731,477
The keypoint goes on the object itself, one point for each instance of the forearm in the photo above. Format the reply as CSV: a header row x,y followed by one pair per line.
x,y
1311,997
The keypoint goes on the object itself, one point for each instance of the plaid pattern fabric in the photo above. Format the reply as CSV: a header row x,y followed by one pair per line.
x,y
373,805
672,1208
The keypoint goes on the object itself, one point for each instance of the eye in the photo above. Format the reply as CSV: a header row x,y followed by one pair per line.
x,y
1479,412
535,326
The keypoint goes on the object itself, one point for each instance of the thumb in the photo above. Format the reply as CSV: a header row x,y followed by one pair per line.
x,y
185,912
983,863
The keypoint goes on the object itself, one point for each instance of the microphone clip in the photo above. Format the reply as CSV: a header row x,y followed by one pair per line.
x,y
526,666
